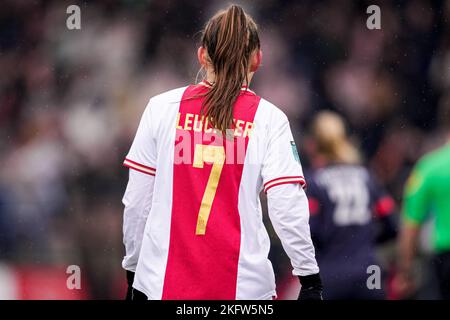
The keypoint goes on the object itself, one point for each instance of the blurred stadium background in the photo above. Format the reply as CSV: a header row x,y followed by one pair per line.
x,y
70,102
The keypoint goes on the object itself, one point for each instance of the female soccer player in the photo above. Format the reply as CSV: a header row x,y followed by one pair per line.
x,y
346,206
201,156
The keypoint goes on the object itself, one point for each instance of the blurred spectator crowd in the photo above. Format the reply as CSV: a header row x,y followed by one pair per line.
x,y
70,102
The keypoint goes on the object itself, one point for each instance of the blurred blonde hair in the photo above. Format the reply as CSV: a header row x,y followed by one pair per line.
x,y
329,132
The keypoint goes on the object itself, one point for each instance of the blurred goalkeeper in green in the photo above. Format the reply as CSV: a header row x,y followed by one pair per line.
x,y
427,194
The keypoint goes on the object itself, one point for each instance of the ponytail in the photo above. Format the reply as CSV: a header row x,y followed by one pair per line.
x,y
229,38
331,138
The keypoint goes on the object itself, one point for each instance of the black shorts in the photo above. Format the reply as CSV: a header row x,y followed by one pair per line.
x,y
132,293
442,266
135,295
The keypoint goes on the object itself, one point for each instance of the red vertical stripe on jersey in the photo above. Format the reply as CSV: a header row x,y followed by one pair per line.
x,y
205,266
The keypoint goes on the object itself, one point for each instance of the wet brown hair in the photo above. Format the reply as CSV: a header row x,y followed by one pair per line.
x,y
229,37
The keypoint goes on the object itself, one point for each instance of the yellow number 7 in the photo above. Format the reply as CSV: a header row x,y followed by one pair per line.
x,y
215,155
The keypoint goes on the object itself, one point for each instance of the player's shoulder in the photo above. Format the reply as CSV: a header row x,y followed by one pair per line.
x,y
168,97
434,160
271,112
164,104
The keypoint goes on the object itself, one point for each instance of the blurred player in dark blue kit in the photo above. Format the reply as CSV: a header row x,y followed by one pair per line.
x,y
350,213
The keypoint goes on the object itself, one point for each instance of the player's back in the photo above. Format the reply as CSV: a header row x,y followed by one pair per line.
x,y
344,199
205,230
204,237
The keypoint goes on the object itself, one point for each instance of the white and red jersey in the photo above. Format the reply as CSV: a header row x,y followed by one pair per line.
x,y
193,226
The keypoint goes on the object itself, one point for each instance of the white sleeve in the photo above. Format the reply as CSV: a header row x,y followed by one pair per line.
x,y
139,193
142,155
289,214
138,202
281,163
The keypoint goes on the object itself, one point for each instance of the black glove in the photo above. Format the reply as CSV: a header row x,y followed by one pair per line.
x,y
130,279
311,287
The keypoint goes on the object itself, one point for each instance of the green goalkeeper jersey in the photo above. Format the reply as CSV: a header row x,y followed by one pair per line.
x,y
427,193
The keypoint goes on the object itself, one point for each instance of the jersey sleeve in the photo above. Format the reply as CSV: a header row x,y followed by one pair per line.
x,y
383,204
416,197
281,164
138,202
142,154
289,214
